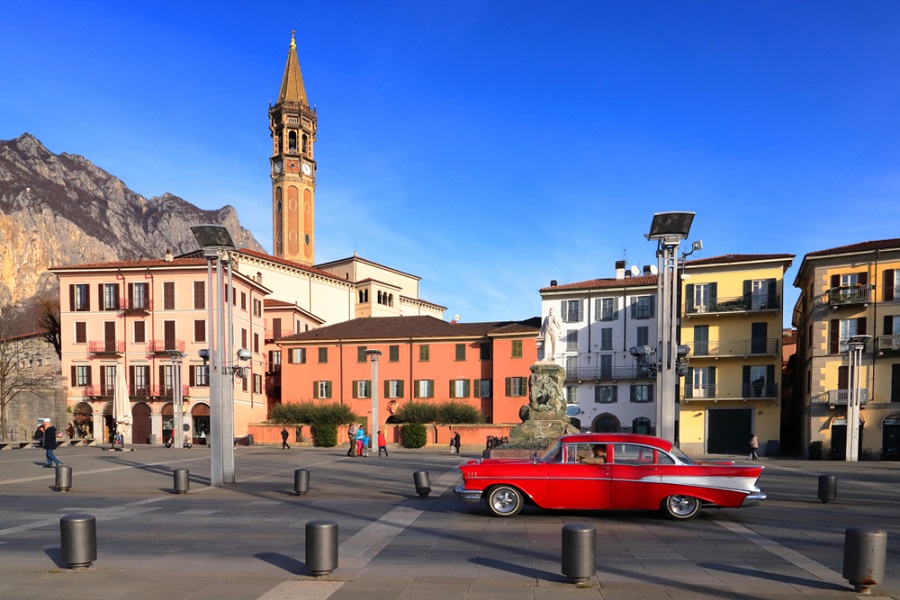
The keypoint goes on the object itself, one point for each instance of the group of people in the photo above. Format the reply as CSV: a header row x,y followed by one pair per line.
x,y
359,441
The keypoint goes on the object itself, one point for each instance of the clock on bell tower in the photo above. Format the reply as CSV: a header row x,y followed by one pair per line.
x,y
292,124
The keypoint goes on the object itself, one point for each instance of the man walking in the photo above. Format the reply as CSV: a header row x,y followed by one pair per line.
x,y
284,438
50,445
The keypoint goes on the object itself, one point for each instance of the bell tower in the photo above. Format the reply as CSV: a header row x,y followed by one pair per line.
x,y
292,124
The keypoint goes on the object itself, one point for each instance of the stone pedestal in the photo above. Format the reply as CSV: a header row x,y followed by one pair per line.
x,y
544,419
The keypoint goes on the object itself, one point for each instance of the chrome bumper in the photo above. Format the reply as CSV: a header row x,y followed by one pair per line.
x,y
467,495
753,499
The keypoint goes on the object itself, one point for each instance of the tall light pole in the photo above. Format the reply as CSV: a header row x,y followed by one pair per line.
x,y
177,399
668,229
373,428
216,244
855,346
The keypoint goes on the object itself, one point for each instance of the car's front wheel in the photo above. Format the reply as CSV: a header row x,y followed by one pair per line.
x,y
504,501
681,508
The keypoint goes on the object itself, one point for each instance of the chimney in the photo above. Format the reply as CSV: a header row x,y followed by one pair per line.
x,y
647,271
620,269
169,257
553,283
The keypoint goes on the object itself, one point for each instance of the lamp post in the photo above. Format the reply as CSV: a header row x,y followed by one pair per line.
x,y
373,428
668,229
216,244
855,346
177,398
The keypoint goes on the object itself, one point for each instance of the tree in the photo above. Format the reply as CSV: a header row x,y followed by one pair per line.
x,y
48,319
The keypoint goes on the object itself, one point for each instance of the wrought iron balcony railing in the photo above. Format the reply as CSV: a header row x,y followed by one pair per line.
x,y
137,305
605,374
106,347
849,294
742,348
163,346
745,303
839,397
733,391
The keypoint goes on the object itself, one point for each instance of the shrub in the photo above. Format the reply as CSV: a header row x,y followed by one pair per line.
x,y
417,412
458,412
324,435
413,435
311,413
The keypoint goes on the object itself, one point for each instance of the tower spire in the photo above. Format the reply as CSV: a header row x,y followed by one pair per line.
x,y
292,88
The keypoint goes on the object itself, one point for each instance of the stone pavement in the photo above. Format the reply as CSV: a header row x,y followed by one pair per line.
x,y
247,541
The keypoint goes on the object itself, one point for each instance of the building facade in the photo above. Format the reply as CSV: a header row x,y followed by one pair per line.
x,y
731,321
850,291
602,319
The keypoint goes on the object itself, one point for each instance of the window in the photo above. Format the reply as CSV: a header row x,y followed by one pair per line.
x,y
110,296
482,388
243,300
572,365
257,308
244,338
168,295
642,307
361,354
459,388
321,389
199,295
256,343
842,330
393,388
200,330
641,393
82,375
394,353
274,360
701,340
759,381
701,297
571,311
323,356
257,384
571,394
362,388
140,332
606,394
517,348
140,380
606,342
484,351
759,293
423,388
201,375
424,353
643,336
139,298
460,352
516,387
81,332
296,356
606,366
81,297
605,309
571,340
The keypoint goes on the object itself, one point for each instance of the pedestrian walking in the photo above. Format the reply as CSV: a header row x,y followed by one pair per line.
x,y
50,444
351,433
382,444
456,442
754,446
284,438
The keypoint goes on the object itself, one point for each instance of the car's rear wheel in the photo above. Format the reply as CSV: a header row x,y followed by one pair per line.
x,y
504,501
681,508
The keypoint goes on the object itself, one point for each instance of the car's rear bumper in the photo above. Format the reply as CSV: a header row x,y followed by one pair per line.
x,y
753,499
467,495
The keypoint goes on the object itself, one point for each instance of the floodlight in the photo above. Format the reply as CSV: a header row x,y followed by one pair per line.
x,y
670,224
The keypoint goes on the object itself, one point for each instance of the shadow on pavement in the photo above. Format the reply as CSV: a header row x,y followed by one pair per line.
x,y
286,563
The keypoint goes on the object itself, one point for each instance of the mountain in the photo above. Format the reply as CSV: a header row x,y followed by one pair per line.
x,y
61,209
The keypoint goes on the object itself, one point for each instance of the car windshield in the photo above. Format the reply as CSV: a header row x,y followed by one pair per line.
x,y
681,456
552,453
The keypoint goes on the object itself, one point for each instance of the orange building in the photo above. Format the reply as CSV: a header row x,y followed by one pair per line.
x,y
485,365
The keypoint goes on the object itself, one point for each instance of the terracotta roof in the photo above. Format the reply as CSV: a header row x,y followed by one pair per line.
x,y
736,258
289,263
372,328
859,247
272,303
642,280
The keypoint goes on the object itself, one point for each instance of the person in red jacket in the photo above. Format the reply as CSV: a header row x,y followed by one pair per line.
x,y
382,444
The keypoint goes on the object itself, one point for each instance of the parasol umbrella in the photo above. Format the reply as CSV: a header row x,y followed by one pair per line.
x,y
122,405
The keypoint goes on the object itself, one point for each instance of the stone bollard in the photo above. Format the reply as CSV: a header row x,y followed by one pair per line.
x,y
865,550
78,539
321,547
579,547
301,481
423,483
63,478
182,480
827,488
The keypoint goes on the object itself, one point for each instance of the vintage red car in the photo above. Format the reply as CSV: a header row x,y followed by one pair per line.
x,y
610,471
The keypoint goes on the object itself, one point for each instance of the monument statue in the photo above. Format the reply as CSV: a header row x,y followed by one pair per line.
x,y
550,331
544,417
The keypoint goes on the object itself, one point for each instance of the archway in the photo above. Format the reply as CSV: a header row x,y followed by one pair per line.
x,y
83,418
200,418
168,420
140,427
606,423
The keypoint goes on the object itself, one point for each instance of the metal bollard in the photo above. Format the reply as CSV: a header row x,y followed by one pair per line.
x,y
301,481
63,478
827,488
423,483
321,547
579,549
78,539
865,550
182,480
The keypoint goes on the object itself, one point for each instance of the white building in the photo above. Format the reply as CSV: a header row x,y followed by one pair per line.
x,y
602,319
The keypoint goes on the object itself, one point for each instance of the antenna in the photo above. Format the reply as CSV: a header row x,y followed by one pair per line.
x,y
635,271
654,270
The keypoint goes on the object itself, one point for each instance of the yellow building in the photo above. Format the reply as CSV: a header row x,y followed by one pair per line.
x,y
731,319
850,291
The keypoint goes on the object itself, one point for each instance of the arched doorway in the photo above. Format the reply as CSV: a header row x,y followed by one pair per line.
x,y
606,423
641,425
140,428
109,426
83,418
200,418
168,420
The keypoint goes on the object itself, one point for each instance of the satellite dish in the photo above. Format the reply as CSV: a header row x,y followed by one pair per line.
x,y
654,270
635,271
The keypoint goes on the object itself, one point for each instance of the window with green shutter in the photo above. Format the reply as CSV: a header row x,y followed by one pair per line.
x,y
517,348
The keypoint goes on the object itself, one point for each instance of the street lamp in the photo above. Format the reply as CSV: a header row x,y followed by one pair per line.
x,y
216,244
177,398
373,429
855,346
668,229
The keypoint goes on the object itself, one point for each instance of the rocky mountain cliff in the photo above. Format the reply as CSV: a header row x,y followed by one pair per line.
x,y
62,209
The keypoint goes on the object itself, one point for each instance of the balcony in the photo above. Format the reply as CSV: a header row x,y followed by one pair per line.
x,y
734,348
277,334
747,303
138,305
97,391
164,346
888,343
605,374
106,347
839,398
849,295
167,391
139,392
734,391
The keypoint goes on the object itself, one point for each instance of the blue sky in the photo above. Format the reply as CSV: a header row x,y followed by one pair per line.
x,y
488,146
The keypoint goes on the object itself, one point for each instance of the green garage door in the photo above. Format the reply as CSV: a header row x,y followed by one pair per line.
x,y
729,430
